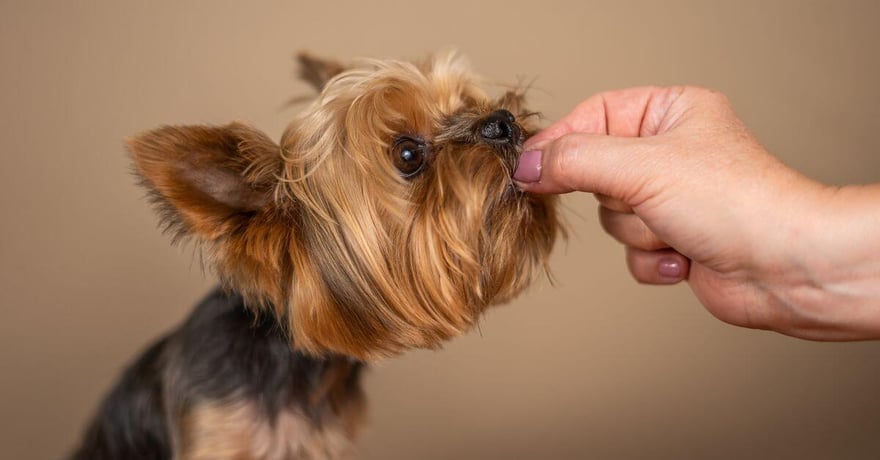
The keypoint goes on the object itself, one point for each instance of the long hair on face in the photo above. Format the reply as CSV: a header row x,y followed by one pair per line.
x,y
324,230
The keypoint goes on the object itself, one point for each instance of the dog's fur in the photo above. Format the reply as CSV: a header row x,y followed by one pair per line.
x,y
386,219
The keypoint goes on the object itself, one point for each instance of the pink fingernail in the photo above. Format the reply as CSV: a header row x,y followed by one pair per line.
x,y
670,268
529,168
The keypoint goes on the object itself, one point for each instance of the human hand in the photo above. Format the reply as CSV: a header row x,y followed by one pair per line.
x,y
692,195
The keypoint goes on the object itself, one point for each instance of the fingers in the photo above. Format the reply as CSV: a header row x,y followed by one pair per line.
x,y
665,266
615,113
613,203
629,229
649,259
606,144
618,167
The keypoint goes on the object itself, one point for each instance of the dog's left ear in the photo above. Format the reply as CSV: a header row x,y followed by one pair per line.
x,y
318,71
207,180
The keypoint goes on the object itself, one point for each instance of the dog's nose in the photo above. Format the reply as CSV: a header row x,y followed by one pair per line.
x,y
500,128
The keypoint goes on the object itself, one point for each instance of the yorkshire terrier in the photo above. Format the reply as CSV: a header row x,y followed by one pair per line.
x,y
385,219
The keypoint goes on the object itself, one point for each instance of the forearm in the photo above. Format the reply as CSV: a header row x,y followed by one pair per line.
x,y
833,290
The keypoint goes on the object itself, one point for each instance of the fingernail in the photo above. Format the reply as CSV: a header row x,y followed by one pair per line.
x,y
529,168
670,268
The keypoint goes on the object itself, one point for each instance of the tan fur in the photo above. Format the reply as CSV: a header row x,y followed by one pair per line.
x,y
237,431
354,258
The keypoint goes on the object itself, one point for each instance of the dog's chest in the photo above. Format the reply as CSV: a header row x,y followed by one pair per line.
x,y
238,431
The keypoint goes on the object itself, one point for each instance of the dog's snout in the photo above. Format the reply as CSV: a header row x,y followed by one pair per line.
x,y
499,128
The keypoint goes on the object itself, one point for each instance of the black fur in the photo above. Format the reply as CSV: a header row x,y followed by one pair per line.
x,y
222,352
130,422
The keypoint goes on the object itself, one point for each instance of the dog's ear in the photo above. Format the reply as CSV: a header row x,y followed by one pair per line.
x,y
207,180
217,184
318,71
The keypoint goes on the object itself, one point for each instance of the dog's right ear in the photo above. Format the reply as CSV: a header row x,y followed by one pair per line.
x,y
207,180
318,71
216,184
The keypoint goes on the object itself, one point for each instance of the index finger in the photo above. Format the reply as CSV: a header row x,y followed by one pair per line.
x,y
615,113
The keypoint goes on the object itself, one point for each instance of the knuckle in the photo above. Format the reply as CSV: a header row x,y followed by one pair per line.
x,y
606,219
648,241
636,265
629,230
712,96
565,156
613,204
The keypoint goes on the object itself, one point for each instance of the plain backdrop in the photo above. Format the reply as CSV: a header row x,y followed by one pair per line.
x,y
594,366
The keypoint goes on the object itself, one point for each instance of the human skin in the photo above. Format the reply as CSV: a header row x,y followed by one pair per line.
x,y
692,195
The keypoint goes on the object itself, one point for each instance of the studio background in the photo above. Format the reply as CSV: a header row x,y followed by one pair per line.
x,y
594,366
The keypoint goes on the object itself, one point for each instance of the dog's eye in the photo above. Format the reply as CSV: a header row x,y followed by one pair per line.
x,y
409,156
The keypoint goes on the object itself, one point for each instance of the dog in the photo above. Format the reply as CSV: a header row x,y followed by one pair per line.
x,y
385,219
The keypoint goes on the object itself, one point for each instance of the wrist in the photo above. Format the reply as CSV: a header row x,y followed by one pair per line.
x,y
830,286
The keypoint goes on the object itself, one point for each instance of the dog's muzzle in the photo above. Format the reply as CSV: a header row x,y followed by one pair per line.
x,y
500,128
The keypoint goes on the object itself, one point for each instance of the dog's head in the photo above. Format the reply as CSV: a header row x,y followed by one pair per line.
x,y
385,219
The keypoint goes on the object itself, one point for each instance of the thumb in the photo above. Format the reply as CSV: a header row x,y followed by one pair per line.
x,y
619,167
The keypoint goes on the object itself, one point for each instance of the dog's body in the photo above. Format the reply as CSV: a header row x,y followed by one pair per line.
x,y
385,220
242,390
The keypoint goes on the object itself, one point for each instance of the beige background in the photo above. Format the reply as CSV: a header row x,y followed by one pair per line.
x,y
593,367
